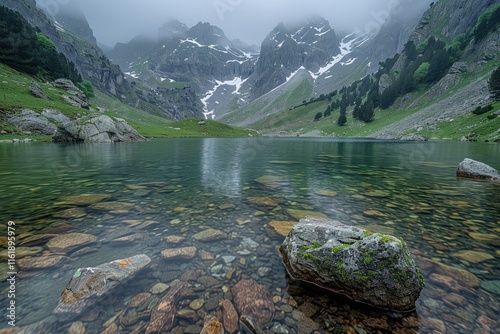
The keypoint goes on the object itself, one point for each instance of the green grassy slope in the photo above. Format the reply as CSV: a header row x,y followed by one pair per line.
x,y
15,96
282,98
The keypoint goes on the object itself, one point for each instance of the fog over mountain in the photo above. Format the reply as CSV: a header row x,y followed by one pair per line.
x,y
249,20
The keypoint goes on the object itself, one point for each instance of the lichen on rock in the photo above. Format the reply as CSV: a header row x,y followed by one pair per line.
x,y
369,267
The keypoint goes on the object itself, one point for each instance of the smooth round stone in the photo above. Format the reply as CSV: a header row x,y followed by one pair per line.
x,y
184,253
67,242
41,262
159,288
175,222
209,235
197,304
473,256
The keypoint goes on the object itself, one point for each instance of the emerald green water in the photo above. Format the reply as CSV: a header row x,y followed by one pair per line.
x,y
183,186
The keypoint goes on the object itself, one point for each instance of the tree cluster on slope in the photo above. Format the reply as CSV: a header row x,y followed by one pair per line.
x,y
416,67
29,51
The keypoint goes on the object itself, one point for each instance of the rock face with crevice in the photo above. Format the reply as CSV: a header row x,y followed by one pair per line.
x,y
373,268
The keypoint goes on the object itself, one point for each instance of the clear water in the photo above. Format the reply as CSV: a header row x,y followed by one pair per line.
x,y
187,185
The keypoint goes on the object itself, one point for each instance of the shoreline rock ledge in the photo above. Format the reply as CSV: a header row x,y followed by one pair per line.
x,y
371,268
477,170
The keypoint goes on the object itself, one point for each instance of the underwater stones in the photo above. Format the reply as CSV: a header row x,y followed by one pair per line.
x,y
326,193
113,207
163,315
184,253
490,239
491,286
477,170
373,268
71,213
282,227
299,214
209,235
197,304
473,256
83,199
36,240
174,239
263,202
463,277
271,181
212,326
68,242
41,262
377,193
254,301
374,213
159,288
87,285
229,316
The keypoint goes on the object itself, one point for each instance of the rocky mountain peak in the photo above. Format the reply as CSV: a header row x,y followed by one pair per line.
x,y
71,18
207,34
172,29
311,44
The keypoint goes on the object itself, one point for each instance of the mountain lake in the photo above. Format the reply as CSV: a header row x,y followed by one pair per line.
x,y
144,198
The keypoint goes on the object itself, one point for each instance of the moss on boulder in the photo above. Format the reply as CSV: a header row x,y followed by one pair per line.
x,y
372,268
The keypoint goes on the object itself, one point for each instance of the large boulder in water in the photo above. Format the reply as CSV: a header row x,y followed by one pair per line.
x,y
88,285
97,129
372,268
477,170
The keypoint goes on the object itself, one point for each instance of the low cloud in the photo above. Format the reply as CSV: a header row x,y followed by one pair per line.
x,y
249,20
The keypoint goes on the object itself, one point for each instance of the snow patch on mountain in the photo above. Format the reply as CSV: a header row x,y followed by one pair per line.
x,y
347,45
236,82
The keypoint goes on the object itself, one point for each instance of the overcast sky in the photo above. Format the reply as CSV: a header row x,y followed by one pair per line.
x,y
249,20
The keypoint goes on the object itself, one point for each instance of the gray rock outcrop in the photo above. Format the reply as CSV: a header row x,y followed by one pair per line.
x,y
88,285
31,121
37,91
477,170
369,267
97,128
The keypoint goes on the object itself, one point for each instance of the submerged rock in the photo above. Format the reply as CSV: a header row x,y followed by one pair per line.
x,y
210,235
253,301
41,262
88,284
212,326
163,315
70,241
477,170
372,268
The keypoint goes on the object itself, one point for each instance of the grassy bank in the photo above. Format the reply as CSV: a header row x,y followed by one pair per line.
x,y
15,96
